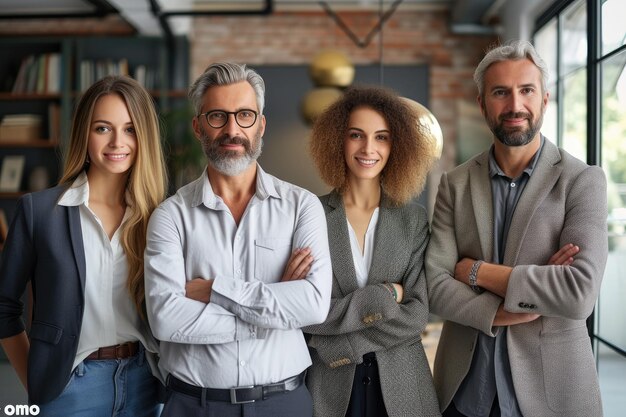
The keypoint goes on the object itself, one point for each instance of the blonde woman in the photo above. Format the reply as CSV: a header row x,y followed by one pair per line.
x,y
368,358
81,246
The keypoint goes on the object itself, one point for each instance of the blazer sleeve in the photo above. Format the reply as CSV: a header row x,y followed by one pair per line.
x,y
449,298
568,291
357,324
18,260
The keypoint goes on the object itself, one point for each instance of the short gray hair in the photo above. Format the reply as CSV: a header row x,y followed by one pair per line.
x,y
226,73
511,51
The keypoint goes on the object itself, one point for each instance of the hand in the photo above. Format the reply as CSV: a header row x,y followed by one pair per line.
x,y
298,265
399,291
199,289
462,270
565,255
505,318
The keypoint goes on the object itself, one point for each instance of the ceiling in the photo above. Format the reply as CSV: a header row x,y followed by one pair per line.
x,y
167,17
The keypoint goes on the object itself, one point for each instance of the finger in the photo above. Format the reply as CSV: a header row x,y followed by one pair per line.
x,y
294,261
561,255
565,255
303,269
290,263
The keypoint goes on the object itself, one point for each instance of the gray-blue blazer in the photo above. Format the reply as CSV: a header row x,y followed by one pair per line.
x,y
45,246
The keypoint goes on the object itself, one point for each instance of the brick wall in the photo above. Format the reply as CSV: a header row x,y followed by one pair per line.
x,y
409,37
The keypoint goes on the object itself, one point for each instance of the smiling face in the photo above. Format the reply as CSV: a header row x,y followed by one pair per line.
x,y
367,144
230,149
513,102
112,141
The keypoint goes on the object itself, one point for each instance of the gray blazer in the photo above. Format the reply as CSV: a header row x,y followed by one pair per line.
x,y
552,363
363,320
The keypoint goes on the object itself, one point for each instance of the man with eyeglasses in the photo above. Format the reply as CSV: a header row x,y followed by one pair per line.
x,y
236,263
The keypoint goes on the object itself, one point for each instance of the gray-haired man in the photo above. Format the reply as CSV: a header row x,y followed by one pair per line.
x,y
230,277
515,341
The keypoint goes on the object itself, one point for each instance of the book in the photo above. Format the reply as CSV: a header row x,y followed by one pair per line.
x,y
54,122
20,127
4,226
53,85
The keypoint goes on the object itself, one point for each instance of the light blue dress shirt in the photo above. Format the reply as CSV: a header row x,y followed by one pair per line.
x,y
249,333
490,373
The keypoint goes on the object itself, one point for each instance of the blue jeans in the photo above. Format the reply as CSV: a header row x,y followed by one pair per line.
x,y
108,388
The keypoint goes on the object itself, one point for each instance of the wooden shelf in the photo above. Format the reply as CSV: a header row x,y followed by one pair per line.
x,y
16,194
35,143
30,96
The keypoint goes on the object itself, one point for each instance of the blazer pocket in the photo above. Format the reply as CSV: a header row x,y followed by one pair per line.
x,y
45,332
270,258
569,371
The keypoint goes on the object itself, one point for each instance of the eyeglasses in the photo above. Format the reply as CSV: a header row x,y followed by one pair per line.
x,y
218,118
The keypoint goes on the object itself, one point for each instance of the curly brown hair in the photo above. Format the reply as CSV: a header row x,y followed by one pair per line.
x,y
412,154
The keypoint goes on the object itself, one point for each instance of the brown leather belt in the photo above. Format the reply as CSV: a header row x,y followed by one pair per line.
x,y
122,351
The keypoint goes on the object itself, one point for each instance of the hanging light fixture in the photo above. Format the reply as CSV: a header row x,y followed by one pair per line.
x,y
331,71
427,121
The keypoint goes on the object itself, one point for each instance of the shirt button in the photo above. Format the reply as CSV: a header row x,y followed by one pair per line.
x,y
367,380
242,363
252,334
513,184
239,271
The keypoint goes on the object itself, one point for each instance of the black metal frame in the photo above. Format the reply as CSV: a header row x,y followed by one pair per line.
x,y
103,8
594,100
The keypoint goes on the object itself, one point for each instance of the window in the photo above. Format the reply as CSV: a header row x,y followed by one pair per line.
x,y
584,44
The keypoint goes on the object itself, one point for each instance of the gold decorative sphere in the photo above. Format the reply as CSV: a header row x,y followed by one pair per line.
x,y
331,69
427,120
317,100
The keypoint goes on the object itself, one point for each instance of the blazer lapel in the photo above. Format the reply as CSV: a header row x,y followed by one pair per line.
x,y
339,243
385,246
76,237
480,191
545,174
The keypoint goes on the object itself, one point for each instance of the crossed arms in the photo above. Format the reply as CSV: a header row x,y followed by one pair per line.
x,y
572,217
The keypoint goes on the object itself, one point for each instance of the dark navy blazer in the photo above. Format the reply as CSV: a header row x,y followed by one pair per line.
x,y
45,246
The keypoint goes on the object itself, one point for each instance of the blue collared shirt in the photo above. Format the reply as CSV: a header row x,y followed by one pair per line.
x,y
249,333
490,372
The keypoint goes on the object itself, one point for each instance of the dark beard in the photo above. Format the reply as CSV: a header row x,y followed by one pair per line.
x,y
517,136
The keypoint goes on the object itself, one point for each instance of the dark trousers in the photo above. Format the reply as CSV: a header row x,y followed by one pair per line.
x,y
296,403
366,399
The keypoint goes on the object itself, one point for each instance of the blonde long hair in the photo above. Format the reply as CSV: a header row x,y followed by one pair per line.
x,y
147,180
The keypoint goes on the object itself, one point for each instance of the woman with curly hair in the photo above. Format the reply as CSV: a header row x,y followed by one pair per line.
x,y
368,359
89,350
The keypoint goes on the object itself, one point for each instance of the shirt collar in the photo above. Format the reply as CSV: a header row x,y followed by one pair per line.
x,y
78,193
203,192
494,168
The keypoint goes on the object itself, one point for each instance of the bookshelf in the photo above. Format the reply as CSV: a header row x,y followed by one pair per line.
x,y
43,78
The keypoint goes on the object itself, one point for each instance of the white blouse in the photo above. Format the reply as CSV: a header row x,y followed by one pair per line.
x,y
363,260
110,316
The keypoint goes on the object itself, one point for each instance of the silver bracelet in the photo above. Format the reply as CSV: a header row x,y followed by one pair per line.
x,y
472,277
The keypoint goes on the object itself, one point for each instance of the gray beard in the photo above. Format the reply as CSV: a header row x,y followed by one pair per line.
x,y
517,137
231,163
